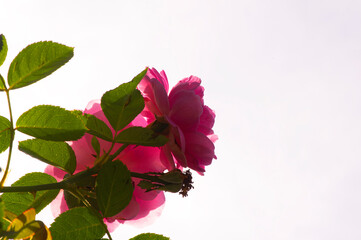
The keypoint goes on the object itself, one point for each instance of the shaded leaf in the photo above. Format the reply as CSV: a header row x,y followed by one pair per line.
x,y
18,225
96,145
72,201
114,188
42,234
25,226
141,136
122,104
3,49
37,61
77,223
18,202
5,133
149,236
51,123
2,213
58,154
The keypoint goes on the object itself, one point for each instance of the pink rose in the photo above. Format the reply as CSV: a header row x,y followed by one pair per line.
x,y
189,121
144,207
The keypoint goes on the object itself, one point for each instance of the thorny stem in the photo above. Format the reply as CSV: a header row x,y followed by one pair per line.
x,y
68,181
59,185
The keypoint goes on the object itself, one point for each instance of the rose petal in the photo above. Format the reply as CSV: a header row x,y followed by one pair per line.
x,y
199,150
186,109
166,157
206,121
55,172
129,212
153,90
84,153
112,224
140,193
58,205
161,77
191,83
149,211
176,144
142,159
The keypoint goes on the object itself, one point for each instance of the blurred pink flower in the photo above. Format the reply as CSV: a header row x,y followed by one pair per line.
x,y
144,207
190,122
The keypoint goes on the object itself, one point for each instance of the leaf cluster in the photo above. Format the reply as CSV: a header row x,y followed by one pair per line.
x,y
100,192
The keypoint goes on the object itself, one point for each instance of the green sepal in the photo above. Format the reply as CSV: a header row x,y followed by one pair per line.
x,y
77,223
170,187
58,154
37,61
114,188
141,136
122,104
3,49
174,176
51,123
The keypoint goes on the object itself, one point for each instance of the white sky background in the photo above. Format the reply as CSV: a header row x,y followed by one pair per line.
x,y
282,76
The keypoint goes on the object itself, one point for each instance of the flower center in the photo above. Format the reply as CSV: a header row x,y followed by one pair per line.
x,y
161,126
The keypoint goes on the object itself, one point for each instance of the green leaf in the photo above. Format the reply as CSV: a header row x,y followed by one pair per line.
x,y
96,145
58,154
5,133
141,136
80,115
2,83
114,188
149,236
2,213
37,61
122,104
77,223
18,202
99,128
51,123
3,49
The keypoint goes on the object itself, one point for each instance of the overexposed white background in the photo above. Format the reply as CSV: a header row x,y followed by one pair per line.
x,y
282,76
